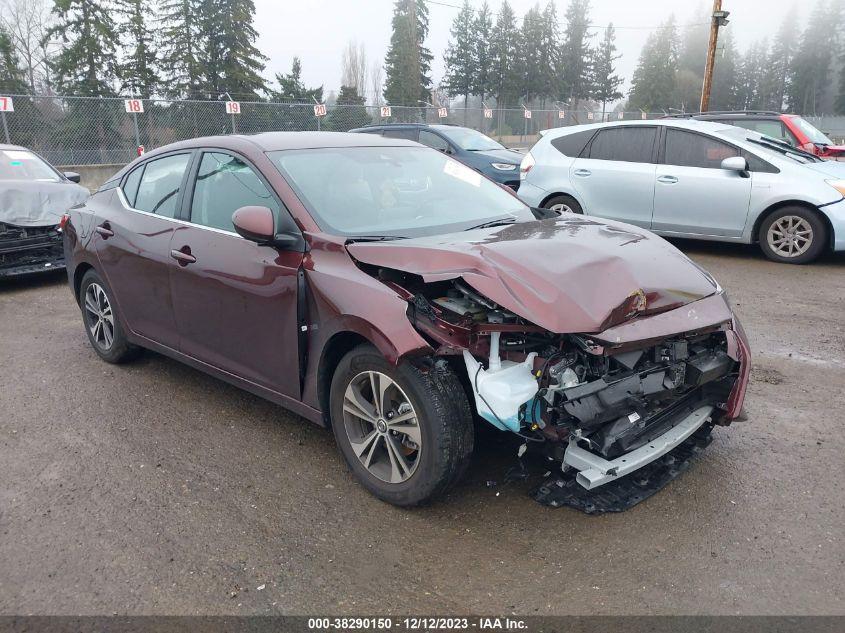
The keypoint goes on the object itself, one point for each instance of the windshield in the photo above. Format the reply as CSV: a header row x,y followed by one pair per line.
x,y
811,131
18,164
393,191
470,140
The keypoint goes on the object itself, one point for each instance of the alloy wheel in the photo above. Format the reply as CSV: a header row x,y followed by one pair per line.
x,y
790,236
100,317
561,207
382,427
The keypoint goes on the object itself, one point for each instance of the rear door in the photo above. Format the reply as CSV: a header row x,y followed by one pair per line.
x,y
235,301
132,240
614,175
693,194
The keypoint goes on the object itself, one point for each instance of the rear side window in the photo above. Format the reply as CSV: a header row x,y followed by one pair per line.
x,y
130,185
409,134
686,149
573,144
158,191
625,144
225,184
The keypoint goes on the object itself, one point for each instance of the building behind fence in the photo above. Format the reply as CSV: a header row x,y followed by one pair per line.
x,y
89,130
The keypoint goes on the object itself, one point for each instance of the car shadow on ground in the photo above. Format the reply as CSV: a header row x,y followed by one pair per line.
x,y
743,251
33,280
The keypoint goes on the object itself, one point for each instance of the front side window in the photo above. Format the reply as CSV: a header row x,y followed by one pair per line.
x,y
434,141
394,191
19,164
130,185
158,191
224,184
686,149
626,144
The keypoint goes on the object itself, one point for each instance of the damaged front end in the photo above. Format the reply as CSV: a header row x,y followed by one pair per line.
x,y
601,405
30,249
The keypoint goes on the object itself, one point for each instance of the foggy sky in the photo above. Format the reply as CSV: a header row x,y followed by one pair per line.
x,y
317,30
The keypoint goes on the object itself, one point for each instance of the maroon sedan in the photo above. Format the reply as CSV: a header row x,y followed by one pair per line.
x,y
388,291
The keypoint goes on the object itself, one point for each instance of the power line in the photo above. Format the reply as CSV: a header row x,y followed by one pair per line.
x,y
591,26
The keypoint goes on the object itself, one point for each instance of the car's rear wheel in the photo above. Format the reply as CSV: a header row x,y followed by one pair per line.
x,y
104,331
563,204
793,235
406,432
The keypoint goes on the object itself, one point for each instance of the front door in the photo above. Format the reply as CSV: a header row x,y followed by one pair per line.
x,y
693,195
132,237
235,301
615,174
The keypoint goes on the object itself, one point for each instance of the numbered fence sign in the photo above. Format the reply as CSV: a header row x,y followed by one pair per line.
x,y
233,107
385,112
526,114
319,109
442,112
488,113
590,116
6,104
133,106
621,115
644,116
561,114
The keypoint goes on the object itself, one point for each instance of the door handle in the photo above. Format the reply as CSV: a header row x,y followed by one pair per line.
x,y
105,230
583,172
669,180
183,256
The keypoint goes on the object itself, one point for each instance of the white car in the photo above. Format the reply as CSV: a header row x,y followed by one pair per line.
x,y
692,179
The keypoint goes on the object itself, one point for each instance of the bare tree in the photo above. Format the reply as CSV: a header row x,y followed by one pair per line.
x,y
376,82
354,67
27,21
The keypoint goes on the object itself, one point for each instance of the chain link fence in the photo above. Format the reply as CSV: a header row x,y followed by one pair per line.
x,y
90,131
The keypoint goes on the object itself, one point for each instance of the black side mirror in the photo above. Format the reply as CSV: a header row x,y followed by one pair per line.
x,y
72,176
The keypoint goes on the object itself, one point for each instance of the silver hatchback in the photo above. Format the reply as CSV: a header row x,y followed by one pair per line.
x,y
692,179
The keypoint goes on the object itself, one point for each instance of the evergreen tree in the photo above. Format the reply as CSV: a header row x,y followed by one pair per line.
x,y
482,29
605,81
693,49
232,62
529,61
723,93
750,75
349,112
776,79
653,86
12,78
549,57
504,49
138,70
180,56
292,88
28,120
87,64
408,62
575,53
460,58
809,72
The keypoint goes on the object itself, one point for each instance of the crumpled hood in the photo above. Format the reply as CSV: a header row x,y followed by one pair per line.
x,y
36,203
568,274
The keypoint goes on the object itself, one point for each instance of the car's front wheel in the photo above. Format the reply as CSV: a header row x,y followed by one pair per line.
x,y
563,204
793,235
101,323
405,431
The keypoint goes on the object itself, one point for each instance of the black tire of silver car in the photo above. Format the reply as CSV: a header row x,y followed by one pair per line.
x,y
793,235
563,204
405,431
101,321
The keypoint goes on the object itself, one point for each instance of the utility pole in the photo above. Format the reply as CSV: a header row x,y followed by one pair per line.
x,y
719,18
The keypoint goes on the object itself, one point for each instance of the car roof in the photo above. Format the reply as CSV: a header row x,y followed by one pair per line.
x,y
708,127
8,146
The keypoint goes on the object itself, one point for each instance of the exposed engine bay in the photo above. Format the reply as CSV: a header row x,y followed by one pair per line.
x,y
603,410
27,249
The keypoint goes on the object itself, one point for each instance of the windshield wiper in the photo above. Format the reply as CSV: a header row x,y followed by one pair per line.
x,y
374,238
784,148
492,223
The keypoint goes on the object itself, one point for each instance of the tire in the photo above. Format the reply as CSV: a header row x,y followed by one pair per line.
x,y
563,204
804,232
437,413
105,334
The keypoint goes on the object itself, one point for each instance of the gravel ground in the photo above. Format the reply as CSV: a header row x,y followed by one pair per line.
x,y
152,488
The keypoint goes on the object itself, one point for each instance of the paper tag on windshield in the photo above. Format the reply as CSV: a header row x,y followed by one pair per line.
x,y
462,172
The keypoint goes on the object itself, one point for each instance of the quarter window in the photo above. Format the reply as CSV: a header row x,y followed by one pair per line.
x,y
694,150
158,191
434,141
626,144
573,144
224,184
130,185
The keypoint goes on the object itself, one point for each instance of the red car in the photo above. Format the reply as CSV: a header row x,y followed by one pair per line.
x,y
791,128
388,291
